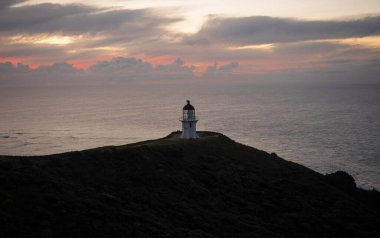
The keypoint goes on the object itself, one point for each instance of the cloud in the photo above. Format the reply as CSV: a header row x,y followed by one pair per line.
x,y
78,19
175,70
8,3
7,69
41,34
268,42
116,69
76,32
25,50
21,73
133,68
121,68
46,18
222,71
266,30
58,69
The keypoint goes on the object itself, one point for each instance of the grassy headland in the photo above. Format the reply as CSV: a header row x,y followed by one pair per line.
x,y
209,187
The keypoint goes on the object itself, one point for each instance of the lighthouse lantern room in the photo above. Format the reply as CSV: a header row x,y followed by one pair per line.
x,y
189,122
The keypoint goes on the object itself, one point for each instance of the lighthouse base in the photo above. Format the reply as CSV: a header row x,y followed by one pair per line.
x,y
186,135
189,130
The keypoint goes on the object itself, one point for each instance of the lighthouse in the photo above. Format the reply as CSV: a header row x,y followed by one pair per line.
x,y
189,122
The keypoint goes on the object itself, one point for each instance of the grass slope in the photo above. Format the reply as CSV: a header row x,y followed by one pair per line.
x,y
211,187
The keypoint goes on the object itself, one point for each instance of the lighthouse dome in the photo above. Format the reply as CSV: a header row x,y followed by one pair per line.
x,y
188,106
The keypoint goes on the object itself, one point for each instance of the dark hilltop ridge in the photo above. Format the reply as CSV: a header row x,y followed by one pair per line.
x,y
209,187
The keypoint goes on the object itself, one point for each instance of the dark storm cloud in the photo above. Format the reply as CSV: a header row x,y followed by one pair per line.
x,y
264,30
76,19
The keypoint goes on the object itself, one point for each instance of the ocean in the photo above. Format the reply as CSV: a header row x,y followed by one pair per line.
x,y
326,127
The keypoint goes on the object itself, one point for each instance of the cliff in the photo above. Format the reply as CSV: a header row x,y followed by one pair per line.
x,y
209,187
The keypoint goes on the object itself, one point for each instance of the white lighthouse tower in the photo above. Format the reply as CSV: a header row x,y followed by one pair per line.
x,y
189,122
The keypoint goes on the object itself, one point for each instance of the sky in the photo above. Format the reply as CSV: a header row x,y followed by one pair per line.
x,y
190,39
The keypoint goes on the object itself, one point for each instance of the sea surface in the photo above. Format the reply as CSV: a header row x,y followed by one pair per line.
x,y
326,127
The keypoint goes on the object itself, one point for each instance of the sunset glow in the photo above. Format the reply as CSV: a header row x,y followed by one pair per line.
x,y
41,39
260,37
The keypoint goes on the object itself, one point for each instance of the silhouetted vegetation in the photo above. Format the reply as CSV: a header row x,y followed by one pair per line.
x,y
211,187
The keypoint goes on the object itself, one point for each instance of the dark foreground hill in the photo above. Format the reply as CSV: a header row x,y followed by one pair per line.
x,y
210,187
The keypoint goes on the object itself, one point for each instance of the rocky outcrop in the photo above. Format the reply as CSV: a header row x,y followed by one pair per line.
x,y
342,180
